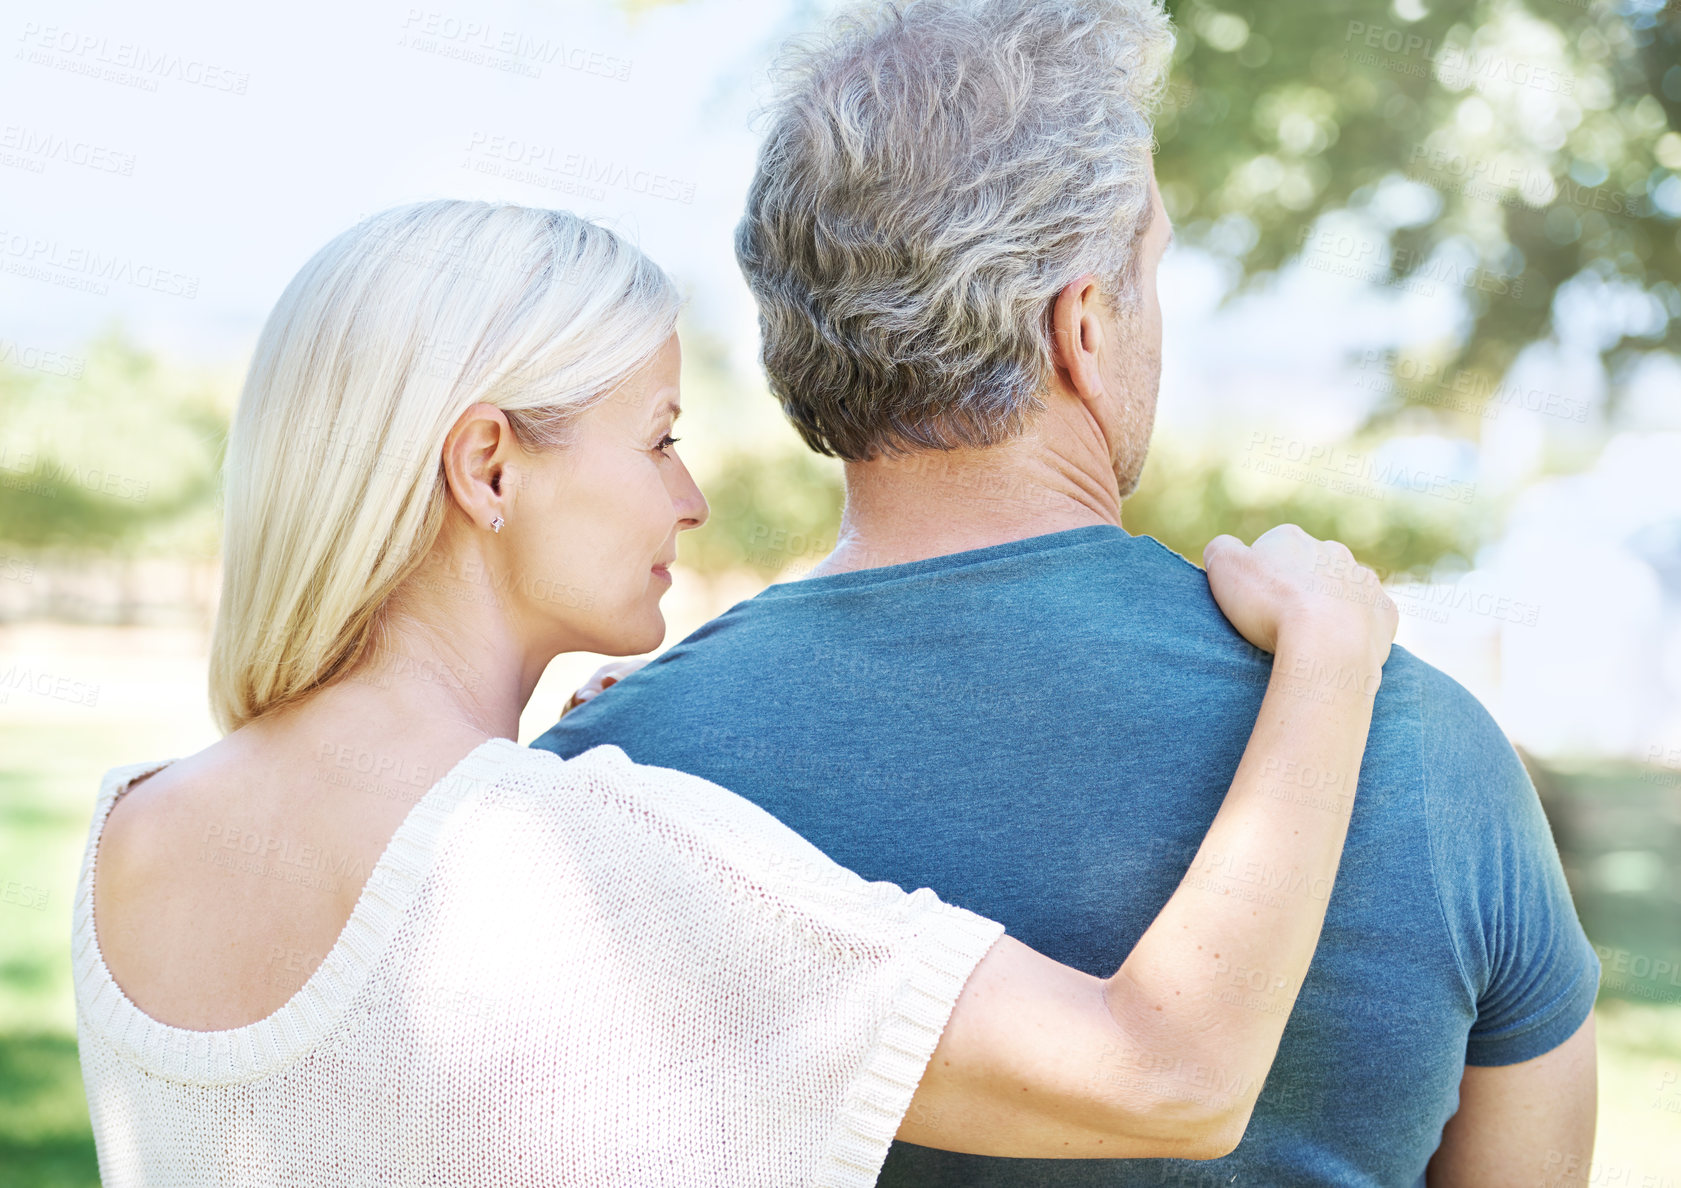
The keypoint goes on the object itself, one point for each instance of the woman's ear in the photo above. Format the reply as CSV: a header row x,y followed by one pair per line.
x,y
1077,338
475,453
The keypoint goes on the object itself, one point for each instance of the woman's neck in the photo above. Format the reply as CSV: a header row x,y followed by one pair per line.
x,y
473,675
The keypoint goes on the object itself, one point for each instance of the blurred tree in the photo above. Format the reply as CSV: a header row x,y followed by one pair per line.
x,y
1510,152
780,509
1524,152
71,475
1509,149
1188,497
637,8
770,512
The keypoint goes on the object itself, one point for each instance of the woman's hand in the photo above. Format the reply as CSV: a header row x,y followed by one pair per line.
x,y
608,674
1290,585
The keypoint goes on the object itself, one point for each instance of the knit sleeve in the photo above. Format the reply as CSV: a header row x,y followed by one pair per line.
x,y
821,996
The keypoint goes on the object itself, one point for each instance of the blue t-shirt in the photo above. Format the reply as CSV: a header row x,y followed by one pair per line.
x,y
1042,732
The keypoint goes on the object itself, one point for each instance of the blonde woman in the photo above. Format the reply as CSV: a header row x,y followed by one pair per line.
x,y
365,938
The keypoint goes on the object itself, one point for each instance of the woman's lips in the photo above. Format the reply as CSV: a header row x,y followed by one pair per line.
x,y
663,572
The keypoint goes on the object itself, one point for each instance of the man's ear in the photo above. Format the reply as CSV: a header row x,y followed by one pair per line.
x,y
1077,338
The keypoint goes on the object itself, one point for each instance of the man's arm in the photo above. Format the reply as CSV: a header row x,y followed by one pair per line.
x,y
1523,1124
1527,1102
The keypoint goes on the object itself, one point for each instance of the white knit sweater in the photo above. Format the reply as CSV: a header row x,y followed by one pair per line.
x,y
578,972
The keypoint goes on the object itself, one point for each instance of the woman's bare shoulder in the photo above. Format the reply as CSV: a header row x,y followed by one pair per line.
x,y
149,812
255,846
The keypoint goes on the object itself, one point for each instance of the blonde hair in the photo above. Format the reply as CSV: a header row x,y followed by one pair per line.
x,y
334,479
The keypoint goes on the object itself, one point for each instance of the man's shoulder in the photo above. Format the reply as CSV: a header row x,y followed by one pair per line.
x,y
1435,724
1456,730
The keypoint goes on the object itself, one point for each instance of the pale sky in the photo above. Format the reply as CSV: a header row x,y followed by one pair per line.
x,y
348,109
201,153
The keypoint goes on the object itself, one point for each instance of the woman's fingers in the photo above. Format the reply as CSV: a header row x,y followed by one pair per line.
x,y
1288,576
1220,546
608,675
605,677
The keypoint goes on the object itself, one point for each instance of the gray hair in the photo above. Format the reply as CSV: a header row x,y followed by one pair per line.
x,y
933,176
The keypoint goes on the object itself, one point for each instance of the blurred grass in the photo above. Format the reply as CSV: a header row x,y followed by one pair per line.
x,y
49,776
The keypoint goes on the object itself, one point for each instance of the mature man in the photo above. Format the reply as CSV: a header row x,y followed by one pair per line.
x,y
991,689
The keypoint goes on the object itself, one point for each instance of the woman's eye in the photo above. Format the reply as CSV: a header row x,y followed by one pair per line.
x,y
666,443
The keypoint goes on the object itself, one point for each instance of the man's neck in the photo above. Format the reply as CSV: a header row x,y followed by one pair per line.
x,y
940,502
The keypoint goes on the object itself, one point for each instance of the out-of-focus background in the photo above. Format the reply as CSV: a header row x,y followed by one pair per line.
x,y
1425,299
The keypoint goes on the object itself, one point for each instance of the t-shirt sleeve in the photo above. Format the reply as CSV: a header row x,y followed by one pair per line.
x,y
825,994
1528,966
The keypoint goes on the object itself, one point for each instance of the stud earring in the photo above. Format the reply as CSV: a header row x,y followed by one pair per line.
x,y
496,524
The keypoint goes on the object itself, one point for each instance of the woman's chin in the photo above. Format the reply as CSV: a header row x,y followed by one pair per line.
x,y
628,635
646,635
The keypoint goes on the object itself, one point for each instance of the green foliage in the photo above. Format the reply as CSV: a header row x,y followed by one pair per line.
x,y
1513,147
773,511
636,9
111,451
1498,150
46,1140
1187,498
768,511
1538,142
47,777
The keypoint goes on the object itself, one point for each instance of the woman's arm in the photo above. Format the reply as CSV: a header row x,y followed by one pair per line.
x,y
1162,1059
